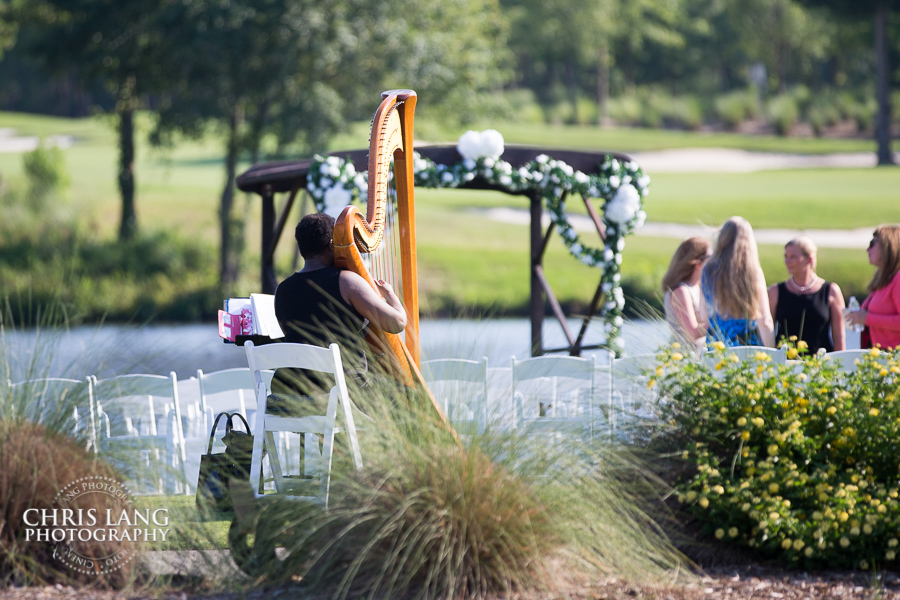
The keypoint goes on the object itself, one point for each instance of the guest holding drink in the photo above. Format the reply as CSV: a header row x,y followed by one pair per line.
x,y
733,289
681,285
880,312
805,305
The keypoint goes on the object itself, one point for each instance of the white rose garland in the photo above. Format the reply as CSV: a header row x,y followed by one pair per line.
x,y
334,183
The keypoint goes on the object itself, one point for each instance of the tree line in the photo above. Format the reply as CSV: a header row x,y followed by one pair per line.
x,y
301,70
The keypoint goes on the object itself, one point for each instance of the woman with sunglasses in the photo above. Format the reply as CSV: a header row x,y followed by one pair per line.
x,y
805,305
881,310
681,286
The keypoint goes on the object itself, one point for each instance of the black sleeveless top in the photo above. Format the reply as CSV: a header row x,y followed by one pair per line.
x,y
805,315
311,310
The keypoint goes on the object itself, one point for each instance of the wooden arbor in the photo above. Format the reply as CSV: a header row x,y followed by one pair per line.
x,y
269,179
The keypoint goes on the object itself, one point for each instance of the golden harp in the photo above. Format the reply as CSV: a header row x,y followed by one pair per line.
x,y
385,241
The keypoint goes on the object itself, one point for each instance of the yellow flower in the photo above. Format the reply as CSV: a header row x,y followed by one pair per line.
x,y
873,412
874,352
758,421
854,531
718,489
792,338
892,543
843,516
732,532
774,516
798,545
773,450
808,552
718,345
745,506
890,555
675,345
802,345
677,356
863,565
720,533
844,542
745,435
762,356
867,529
773,488
691,496
792,353
831,410
703,502
742,421
786,543
720,365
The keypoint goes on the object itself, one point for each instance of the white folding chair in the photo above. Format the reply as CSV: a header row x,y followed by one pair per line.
x,y
554,393
630,392
141,430
229,390
311,358
461,387
847,361
58,401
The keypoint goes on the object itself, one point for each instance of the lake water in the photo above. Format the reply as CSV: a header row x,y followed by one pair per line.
x,y
116,349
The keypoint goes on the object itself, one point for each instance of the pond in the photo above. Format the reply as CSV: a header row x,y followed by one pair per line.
x,y
110,350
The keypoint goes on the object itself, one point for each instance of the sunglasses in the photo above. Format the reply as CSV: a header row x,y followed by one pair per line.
x,y
872,243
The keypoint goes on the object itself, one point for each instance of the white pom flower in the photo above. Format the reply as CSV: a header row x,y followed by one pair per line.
x,y
614,181
608,254
614,165
619,296
581,177
469,164
639,219
336,198
541,159
491,143
624,206
446,177
469,145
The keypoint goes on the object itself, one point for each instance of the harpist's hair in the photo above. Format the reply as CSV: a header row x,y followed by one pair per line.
x,y
313,234
733,271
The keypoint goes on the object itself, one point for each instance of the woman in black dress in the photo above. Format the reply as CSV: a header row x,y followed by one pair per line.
x,y
805,305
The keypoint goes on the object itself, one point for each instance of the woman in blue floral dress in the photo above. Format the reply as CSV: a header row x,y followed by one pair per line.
x,y
735,300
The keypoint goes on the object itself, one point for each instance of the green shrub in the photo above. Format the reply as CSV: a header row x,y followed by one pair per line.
x,y
736,107
625,110
783,113
45,170
798,462
864,114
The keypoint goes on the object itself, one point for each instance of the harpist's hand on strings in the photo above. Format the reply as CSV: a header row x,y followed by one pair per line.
x,y
387,292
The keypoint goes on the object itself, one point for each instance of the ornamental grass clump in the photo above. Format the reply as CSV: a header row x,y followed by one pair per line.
x,y
799,461
429,517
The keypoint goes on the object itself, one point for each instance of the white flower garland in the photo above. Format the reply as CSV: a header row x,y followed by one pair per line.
x,y
334,183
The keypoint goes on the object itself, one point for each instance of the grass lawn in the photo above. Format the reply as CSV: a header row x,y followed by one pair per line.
x,y
466,260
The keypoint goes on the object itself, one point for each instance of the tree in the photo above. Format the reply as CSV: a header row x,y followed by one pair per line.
x,y
300,70
879,11
111,41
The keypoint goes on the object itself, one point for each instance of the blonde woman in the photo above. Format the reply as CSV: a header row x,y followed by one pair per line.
x,y
681,285
733,287
805,305
881,310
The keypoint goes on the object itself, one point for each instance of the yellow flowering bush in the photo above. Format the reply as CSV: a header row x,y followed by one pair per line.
x,y
800,462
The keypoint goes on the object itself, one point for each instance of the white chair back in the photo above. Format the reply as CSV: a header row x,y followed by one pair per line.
x,y
312,358
141,418
461,388
847,360
58,401
554,393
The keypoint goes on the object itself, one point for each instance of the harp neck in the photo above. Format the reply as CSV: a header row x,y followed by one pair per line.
x,y
355,234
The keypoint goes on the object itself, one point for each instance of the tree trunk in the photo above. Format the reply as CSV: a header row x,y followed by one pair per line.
x,y
882,85
229,254
128,223
603,84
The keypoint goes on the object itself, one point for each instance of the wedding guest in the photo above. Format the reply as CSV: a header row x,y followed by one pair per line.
x,y
733,287
805,305
681,285
880,312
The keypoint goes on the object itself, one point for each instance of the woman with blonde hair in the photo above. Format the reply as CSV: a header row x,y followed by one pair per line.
x,y
733,289
805,305
681,285
881,310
